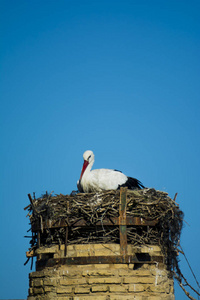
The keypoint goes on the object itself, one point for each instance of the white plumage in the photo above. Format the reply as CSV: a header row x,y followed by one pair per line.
x,y
103,179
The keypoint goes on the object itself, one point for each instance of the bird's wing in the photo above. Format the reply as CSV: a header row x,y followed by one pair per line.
x,y
107,179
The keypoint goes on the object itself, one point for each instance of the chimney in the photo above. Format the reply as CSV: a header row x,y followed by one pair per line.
x,y
109,245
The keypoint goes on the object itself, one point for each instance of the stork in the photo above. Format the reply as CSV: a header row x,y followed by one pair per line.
x,y
103,179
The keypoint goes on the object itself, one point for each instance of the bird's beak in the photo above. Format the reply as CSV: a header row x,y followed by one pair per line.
x,y
85,164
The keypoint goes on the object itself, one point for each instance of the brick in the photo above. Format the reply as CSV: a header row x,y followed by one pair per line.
x,y
51,272
48,289
131,266
161,288
37,282
136,288
120,266
159,266
111,247
171,289
38,290
45,250
127,297
36,274
30,290
161,272
93,249
130,272
71,273
136,279
86,297
99,288
81,250
106,251
160,280
82,290
103,272
169,297
118,288
49,296
113,280
125,272
62,298
50,281
74,281
141,272
153,250
155,297
111,267
64,290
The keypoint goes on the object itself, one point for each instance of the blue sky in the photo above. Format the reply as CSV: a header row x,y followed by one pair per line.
x,y
118,77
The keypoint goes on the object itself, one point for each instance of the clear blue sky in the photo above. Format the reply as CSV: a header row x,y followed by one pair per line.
x,y
118,77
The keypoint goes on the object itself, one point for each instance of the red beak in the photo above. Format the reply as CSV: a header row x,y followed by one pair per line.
x,y
85,164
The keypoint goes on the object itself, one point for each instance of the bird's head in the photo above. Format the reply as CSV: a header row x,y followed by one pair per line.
x,y
88,157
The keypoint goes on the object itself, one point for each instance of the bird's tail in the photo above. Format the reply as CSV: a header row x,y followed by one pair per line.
x,y
133,183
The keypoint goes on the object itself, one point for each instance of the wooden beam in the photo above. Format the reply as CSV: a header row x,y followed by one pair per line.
x,y
122,222
87,260
130,221
30,253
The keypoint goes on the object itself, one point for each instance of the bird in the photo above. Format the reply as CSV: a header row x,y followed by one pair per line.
x,y
103,179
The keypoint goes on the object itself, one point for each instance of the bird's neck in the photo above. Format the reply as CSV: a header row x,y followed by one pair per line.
x,y
87,170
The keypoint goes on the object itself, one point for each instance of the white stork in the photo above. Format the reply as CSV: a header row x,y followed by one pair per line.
x,y
103,179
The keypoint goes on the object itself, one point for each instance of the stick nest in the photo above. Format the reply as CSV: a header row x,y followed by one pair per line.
x,y
94,207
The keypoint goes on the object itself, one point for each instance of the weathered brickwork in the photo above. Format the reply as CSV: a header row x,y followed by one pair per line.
x,y
101,281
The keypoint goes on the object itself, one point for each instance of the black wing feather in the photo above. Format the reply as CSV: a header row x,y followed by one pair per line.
x,y
132,184
79,186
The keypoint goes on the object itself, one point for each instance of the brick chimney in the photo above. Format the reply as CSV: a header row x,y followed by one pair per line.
x,y
99,270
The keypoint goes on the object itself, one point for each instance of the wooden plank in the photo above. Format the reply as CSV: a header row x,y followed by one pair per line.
x,y
122,222
66,240
30,253
116,221
66,231
38,238
130,221
87,260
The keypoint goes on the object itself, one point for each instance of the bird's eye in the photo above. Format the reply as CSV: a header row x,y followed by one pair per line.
x,y
89,157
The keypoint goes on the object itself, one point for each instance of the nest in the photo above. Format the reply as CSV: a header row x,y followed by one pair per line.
x,y
93,208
